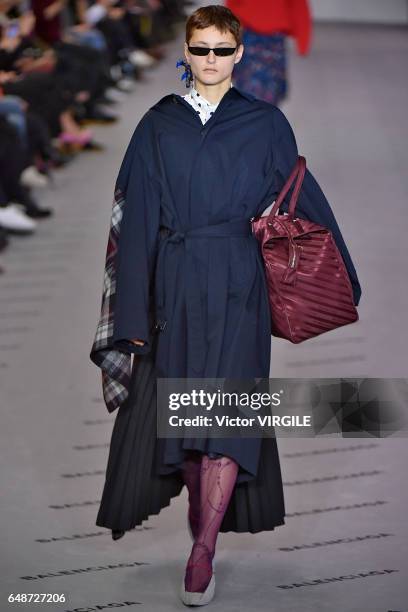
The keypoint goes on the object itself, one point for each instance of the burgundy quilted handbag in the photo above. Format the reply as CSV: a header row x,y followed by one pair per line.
x,y
308,285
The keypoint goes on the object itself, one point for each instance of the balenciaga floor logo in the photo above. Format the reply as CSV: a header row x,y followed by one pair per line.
x,y
81,474
364,538
313,511
318,581
91,446
329,451
84,570
81,504
75,536
92,534
98,421
108,606
332,477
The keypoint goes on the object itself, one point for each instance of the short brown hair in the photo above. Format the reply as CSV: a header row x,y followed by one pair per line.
x,y
214,15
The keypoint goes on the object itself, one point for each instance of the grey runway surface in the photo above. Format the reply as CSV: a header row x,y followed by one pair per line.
x,y
346,499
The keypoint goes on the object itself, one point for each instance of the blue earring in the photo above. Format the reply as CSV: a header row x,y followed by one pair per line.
x,y
187,74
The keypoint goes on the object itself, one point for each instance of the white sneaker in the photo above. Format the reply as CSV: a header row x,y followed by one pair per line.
x,y
195,598
192,598
30,177
114,93
125,85
12,218
141,59
115,72
198,599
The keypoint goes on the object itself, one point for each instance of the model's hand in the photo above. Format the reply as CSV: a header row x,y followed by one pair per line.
x,y
138,342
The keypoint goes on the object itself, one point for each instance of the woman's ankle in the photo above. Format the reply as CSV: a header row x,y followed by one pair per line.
x,y
199,569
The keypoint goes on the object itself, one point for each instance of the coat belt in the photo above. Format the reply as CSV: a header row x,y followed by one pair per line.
x,y
196,329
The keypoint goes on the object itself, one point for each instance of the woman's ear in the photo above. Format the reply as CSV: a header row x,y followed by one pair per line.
x,y
240,52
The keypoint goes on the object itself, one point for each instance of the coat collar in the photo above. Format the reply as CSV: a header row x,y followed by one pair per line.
x,y
244,94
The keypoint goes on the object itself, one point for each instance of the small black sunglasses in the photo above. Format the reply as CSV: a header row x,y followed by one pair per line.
x,y
220,51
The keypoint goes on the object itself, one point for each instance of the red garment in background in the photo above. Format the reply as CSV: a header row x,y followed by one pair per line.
x,y
49,30
291,17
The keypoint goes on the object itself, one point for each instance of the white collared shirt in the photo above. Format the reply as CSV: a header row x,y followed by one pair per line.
x,y
203,107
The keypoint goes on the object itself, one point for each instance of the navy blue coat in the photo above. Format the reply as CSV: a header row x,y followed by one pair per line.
x,y
206,284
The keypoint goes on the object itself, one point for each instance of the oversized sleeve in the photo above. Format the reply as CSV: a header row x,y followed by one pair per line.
x,y
312,204
129,261
137,249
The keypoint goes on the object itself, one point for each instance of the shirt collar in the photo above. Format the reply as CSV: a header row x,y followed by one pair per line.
x,y
233,89
198,97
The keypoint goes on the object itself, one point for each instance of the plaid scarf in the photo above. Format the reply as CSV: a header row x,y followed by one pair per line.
x,y
115,365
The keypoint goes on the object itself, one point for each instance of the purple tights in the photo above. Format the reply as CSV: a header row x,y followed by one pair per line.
x,y
210,482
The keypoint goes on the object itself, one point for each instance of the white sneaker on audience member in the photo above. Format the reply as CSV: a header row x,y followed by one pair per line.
x,y
115,72
13,219
117,95
141,59
31,177
125,85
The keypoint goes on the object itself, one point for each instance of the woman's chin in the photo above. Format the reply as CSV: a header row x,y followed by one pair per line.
x,y
210,78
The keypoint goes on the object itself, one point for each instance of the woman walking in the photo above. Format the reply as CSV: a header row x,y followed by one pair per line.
x,y
185,293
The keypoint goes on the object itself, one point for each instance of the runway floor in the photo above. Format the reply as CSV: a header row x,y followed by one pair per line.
x,y
346,499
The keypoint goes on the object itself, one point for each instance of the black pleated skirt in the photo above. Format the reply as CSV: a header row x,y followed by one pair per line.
x,y
136,487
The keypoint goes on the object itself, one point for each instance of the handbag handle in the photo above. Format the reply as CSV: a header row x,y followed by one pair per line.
x,y
299,171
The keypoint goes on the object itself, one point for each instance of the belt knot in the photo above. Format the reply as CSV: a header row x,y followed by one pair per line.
x,y
176,236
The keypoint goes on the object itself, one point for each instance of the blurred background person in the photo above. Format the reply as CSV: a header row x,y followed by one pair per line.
x,y
266,24
63,63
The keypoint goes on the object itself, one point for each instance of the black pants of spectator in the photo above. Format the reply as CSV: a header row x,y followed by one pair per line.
x,y
38,137
78,68
12,163
118,38
171,12
139,40
46,96
82,68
